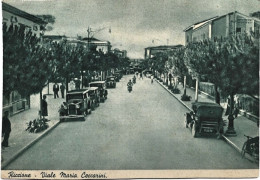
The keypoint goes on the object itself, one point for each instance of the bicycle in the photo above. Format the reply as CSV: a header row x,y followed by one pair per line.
x,y
251,147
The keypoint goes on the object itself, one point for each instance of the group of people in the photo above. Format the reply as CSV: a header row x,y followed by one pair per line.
x,y
56,89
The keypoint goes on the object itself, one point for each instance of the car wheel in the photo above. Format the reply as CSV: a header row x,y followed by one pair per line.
x,y
194,130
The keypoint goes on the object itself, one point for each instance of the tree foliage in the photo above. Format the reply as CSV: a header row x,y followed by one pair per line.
x,y
26,64
231,64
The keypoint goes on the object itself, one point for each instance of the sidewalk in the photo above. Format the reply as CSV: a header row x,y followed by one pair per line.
x,y
242,125
20,139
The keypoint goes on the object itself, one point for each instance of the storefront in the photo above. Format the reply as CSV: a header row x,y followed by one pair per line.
x,y
15,103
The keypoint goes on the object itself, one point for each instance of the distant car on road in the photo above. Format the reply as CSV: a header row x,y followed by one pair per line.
x,y
77,105
147,73
117,77
102,89
111,82
205,118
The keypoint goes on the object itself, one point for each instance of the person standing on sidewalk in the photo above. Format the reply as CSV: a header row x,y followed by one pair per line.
x,y
62,89
6,129
152,79
44,107
56,90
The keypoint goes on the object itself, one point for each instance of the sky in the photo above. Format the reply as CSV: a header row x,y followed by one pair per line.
x,y
135,24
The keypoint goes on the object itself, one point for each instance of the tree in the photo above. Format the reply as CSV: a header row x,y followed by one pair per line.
x,y
231,64
26,63
50,19
68,60
256,14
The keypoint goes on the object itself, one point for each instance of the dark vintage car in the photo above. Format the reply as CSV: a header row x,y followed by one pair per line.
x,y
111,82
102,89
77,105
205,118
120,73
117,76
94,97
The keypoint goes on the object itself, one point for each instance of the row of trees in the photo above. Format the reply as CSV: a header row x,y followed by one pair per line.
x,y
231,64
29,65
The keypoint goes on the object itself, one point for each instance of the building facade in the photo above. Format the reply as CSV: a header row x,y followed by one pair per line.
x,y
150,52
222,27
19,18
15,103
120,53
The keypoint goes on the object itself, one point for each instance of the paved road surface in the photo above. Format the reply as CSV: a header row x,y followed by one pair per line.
x,y
139,130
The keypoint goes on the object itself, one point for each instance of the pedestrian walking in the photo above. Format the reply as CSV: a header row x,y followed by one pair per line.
x,y
6,129
56,90
44,105
228,106
62,89
152,79
141,75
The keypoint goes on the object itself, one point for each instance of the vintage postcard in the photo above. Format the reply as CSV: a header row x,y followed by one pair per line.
x,y
108,89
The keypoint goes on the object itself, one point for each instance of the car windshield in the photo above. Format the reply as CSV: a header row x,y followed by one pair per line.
x,y
96,85
74,96
111,79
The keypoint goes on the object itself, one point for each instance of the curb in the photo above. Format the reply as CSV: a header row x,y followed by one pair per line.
x,y
5,164
232,144
225,138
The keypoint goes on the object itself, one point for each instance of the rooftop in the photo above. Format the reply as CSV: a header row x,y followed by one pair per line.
x,y
165,47
18,12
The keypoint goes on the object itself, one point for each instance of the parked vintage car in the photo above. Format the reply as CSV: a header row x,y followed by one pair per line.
x,y
205,118
117,76
120,73
94,97
102,89
77,105
111,82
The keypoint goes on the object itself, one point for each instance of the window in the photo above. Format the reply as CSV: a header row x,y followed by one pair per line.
x,y
238,30
187,39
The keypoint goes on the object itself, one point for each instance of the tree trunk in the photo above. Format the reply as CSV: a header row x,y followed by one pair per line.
x,y
217,95
82,79
48,87
40,113
167,79
197,90
67,84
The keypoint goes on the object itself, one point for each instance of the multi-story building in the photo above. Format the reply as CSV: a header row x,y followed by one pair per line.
x,y
104,46
151,51
221,27
19,18
120,53
15,103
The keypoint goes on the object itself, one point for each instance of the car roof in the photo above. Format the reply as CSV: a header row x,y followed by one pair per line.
x,y
205,104
78,91
92,88
97,82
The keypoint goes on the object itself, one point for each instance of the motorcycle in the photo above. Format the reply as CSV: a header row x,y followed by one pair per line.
x,y
134,79
129,88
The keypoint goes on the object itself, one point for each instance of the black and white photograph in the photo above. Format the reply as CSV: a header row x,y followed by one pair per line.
x,y
108,89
